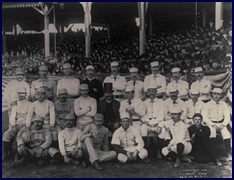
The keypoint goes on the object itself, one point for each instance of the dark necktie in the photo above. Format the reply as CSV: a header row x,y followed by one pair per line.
x,y
129,102
115,78
134,83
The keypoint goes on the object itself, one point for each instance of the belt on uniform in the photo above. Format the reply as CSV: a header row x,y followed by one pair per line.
x,y
218,121
118,96
152,118
160,97
189,117
135,119
184,99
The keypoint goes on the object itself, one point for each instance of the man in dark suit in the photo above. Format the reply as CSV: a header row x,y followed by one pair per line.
x,y
95,86
203,150
109,107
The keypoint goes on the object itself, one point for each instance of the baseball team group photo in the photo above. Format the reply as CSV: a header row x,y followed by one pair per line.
x,y
116,89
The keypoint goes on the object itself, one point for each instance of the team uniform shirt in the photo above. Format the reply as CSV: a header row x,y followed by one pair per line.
x,y
179,103
69,138
154,111
179,132
11,89
139,87
63,108
182,87
81,106
48,84
217,114
204,87
158,80
44,109
41,138
71,84
129,138
136,103
19,112
193,108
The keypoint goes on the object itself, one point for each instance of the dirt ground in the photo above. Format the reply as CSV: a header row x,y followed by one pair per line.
x,y
154,169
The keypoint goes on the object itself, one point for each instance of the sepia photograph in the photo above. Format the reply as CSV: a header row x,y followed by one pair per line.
x,y
116,89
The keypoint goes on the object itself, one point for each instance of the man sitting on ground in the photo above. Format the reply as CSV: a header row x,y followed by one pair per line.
x,y
179,144
128,143
36,143
203,150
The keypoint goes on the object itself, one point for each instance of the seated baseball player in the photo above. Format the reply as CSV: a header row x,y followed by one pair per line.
x,y
45,109
154,115
17,121
72,147
217,116
203,150
179,143
85,108
62,107
128,143
36,144
99,136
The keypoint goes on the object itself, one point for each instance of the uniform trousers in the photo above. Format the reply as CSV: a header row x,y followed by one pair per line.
x,y
10,134
187,148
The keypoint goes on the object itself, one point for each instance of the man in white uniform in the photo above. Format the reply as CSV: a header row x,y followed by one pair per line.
x,y
69,82
119,82
85,108
179,144
138,84
202,84
157,79
181,85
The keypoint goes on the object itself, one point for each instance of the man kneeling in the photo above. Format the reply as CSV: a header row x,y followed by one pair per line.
x,y
128,142
179,144
35,143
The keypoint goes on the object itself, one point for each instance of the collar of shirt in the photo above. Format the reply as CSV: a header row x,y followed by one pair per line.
x,y
117,77
177,123
122,130
90,79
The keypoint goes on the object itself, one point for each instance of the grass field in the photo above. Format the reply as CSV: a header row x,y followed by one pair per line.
x,y
155,169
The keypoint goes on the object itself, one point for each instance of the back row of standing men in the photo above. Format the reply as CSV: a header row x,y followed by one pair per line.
x,y
152,114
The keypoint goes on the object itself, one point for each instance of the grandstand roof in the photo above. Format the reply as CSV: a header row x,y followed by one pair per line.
x,y
123,13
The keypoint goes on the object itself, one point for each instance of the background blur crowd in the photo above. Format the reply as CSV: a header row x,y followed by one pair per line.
x,y
209,48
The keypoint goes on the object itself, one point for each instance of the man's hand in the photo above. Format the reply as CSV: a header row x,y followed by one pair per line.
x,y
158,130
146,123
14,129
75,151
129,155
22,149
66,159
169,147
134,155
221,126
190,123
193,138
214,126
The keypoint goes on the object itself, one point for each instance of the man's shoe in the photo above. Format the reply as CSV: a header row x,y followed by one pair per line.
x,y
97,166
186,159
42,163
146,160
177,163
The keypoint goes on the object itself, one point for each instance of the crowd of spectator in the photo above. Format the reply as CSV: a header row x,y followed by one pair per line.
x,y
185,48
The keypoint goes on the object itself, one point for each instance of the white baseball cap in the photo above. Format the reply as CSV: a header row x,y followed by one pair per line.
x,y
175,69
155,63
132,70
198,69
89,67
115,63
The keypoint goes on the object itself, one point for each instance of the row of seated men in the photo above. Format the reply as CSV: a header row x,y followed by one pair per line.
x,y
150,113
